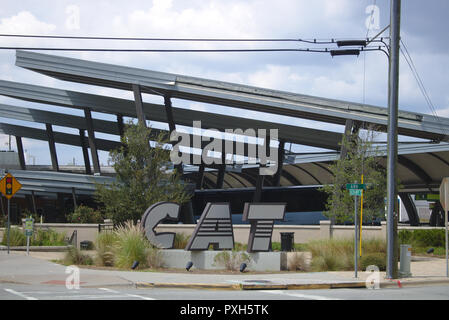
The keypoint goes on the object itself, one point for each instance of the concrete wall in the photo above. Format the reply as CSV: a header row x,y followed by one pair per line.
x,y
302,234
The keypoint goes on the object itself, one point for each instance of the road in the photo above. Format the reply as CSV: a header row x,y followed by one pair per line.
x,y
53,292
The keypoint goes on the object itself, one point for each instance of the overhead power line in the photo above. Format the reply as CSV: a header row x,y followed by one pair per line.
x,y
422,88
313,50
311,41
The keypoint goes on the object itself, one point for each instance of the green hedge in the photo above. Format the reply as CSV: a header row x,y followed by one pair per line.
x,y
423,238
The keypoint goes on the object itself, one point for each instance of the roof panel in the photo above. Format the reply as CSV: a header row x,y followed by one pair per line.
x,y
229,94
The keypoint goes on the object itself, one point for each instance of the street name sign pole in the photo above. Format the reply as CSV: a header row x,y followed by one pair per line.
x,y
29,225
355,189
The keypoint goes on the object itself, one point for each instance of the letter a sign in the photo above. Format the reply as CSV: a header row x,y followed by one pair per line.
x,y
9,186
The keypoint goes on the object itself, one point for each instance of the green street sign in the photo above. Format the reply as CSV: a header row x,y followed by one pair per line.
x,y
355,192
351,186
29,227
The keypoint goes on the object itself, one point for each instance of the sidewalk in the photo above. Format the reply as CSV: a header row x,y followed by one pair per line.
x,y
36,270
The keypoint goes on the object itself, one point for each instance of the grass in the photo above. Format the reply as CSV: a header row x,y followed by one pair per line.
x,y
75,257
423,240
48,237
181,240
231,260
131,245
105,248
16,237
338,254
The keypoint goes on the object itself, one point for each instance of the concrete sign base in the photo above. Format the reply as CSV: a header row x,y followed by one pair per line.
x,y
260,261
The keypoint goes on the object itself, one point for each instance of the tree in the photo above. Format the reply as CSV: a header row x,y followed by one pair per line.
x,y
142,178
361,158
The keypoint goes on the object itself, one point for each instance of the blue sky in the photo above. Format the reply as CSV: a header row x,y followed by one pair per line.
x,y
358,79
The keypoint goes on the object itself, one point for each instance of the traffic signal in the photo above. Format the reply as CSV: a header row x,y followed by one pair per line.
x,y
8,187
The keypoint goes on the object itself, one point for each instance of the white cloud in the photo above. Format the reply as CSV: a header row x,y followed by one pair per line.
x,y
305,73
24,23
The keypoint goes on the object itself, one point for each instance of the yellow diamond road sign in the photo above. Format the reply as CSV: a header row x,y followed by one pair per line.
x,y
9,185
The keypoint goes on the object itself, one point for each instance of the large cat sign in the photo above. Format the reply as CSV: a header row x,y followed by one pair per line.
x,y
215,225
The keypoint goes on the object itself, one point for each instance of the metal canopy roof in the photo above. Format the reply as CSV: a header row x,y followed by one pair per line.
x,y
55,182
230,94
420,166
58,119
305,136
60,137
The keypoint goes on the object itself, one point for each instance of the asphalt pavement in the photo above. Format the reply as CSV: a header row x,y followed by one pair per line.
x,y
20,269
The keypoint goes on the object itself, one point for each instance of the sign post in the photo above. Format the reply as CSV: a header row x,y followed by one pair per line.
x,y
444,200
355,237
355,189
29,226
9,186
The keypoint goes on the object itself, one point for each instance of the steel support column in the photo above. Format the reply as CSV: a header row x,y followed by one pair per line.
x,y
75,205
200,178
20,152
259,186
139,104
171,124
220,176
52,146
120,126
410,207
91,137
281,155
85,152
33,198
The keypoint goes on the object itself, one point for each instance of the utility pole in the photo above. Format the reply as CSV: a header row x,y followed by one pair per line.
x,y
392,156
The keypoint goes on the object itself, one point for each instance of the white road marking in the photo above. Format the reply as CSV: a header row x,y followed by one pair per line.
x,y
126,294
300,295
20,294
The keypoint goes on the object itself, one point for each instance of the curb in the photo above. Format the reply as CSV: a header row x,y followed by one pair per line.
x,y
400,284
188,286
307,286
241,286
37,248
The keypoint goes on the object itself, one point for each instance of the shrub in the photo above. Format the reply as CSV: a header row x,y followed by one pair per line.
x,y
105,248
48,237
16,237
423,238
75,257
131,246
27,213
405,236
181,241
434,238
326,262
240,246
231,260
376,259
298,261
338,254
84,214
154,258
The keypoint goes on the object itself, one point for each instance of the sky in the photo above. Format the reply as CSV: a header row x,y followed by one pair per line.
x,y
360,79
